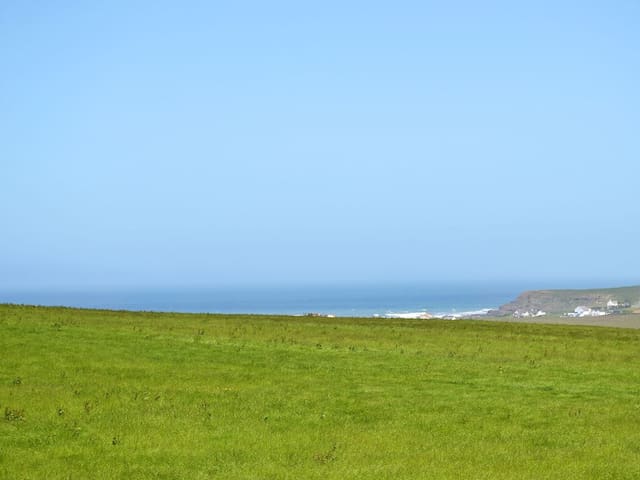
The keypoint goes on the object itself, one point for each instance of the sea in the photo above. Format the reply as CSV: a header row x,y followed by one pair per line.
x,y
400,301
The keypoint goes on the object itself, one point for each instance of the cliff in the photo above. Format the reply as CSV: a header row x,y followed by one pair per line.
x,y
563,301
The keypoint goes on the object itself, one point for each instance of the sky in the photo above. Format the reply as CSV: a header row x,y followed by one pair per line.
x,y
151,143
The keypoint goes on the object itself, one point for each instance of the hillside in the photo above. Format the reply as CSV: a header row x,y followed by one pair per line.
x,y
562,301
116,394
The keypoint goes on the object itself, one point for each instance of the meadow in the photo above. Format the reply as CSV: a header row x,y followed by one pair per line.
x,y
114,394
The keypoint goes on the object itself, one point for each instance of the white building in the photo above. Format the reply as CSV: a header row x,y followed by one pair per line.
x,y
586,312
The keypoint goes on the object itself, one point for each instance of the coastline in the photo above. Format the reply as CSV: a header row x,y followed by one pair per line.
x,y
411,301
628,320
395,302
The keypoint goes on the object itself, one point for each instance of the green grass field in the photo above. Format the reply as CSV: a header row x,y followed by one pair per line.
x,y
99,394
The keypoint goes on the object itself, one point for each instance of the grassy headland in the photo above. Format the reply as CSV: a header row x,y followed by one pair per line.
x,y
103,394
564,301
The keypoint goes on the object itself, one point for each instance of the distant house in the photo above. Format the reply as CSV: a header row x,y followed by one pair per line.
x,y
581,311
586,312
526,314
612,304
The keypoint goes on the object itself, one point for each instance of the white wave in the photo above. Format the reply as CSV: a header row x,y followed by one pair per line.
x,y
408,315
449,315
469,313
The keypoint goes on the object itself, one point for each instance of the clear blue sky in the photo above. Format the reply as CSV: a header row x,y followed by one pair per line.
x,y
147,143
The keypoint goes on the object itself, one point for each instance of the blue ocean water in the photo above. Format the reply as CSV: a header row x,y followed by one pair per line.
x,y
361,301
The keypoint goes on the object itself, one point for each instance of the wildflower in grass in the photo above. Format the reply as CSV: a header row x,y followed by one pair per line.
x,y
13,414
